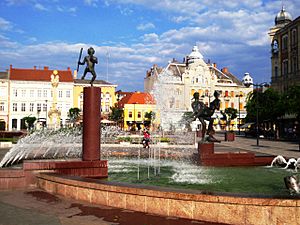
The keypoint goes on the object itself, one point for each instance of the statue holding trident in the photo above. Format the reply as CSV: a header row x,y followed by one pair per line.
x,y
90,61
202,112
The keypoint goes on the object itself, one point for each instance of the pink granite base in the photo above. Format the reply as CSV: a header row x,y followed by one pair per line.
x,y
165,202
207,157
24,177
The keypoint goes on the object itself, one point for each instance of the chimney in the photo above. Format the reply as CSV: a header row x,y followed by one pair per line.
x,y
215,65
75,74
34,67
46,68
10,67
69,69
225,70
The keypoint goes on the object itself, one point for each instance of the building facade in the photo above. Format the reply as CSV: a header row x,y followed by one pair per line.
x,y
108,97
30,94
173,87
4,100
285,50
135,106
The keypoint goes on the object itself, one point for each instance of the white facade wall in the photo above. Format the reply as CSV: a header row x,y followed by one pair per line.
x,y
34,98
4,99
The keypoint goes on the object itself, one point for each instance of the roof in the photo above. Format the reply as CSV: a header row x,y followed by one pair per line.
x,y
39,74
136,98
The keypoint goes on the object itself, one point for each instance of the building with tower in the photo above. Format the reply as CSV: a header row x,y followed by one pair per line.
x,y
173,87
285,50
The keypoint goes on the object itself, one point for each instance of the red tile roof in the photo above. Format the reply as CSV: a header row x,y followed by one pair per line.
x,y
137,98
39,75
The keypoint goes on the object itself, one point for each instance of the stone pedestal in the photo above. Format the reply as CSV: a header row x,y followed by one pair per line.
x,y
229,136
91,123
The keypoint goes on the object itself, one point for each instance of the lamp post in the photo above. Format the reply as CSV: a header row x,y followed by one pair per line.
x,y
239,119
261,85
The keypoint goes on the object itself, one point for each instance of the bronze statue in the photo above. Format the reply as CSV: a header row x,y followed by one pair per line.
x,y
90,61
202,112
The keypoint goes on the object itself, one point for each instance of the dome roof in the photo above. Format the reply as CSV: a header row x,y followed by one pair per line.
x,y
247,79
195,54
283,17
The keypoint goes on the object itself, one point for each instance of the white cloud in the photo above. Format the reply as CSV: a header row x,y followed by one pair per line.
x,y
91,2
40,7
145,26
5,24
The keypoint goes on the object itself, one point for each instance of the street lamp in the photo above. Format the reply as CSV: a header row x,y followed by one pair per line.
x,y
239,119
261,85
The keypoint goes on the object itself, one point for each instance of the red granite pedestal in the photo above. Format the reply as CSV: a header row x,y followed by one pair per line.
x,y
207,157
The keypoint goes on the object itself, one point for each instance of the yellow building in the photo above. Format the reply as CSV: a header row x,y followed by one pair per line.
x,y
135,106
108,97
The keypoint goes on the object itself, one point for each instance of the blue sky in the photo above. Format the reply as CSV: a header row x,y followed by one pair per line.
x,y
138,34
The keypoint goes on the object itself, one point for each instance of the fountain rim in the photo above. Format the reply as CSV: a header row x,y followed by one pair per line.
x,y
103,182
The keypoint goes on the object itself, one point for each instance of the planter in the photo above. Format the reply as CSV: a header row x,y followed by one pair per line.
x,y
229,136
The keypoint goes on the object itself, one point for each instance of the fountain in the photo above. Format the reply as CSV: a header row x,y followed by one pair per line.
x,y
186,190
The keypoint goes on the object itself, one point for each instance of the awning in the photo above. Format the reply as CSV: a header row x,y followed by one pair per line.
x,y
246,125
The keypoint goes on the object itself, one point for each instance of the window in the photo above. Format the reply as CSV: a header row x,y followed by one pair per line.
x,y
31,93
226,105
68,94
226,95
31,107
294,64
81,95
107,97
232,93
39,107
232,105
2,108
15,107
60,94
130,115
139,115
23,107
68,106
23,93
39,93
294,36
14,123
285,67
284,44
106,108
45,93
15,92
44,107
276,71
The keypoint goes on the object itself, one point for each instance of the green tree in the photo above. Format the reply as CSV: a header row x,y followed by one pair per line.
x,y
74,114
229,115
29,121
149,117
116,115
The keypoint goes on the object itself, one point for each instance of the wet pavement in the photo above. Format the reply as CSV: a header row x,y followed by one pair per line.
x,y
37,207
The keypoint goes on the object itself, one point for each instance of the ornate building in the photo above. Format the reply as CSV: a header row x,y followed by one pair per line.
x,y
285,49
174,86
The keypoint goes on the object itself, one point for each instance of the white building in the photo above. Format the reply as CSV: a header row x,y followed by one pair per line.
x,y
30,95
176,84
4,99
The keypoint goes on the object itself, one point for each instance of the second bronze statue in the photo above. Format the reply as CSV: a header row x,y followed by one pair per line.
x,y
90,60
